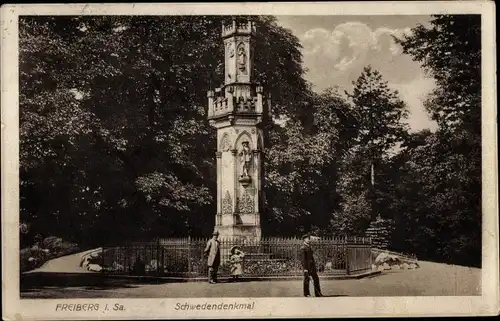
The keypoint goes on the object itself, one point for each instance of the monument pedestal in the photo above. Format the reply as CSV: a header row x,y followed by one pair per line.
x,y
236,110
239,232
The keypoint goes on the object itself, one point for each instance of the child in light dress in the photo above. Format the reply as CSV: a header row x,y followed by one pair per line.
x,y
236,262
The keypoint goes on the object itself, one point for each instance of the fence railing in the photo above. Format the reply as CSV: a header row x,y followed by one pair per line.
x,y
184,257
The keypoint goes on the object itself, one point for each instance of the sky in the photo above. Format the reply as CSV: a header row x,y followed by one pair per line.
x,y
337,48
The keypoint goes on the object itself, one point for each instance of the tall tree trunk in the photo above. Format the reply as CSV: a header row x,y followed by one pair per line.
x,y
372,174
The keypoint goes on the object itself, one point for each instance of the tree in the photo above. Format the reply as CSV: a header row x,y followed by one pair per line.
x,y
302,167
380,114
450,51
379,124
443,228
446,170
113,124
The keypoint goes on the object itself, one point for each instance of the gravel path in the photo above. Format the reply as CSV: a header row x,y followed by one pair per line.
x,y
432,279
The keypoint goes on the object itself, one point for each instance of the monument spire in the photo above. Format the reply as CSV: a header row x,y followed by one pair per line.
x,y
236,110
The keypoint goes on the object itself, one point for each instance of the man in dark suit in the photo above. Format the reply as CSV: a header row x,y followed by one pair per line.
x,y
309,267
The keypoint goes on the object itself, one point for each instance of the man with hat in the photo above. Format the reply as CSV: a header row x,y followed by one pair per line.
x,y
309,267
212,251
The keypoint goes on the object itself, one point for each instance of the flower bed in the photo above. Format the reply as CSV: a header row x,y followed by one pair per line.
x,y
272,267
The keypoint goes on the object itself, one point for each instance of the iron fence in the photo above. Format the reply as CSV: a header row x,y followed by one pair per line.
x,y
184,257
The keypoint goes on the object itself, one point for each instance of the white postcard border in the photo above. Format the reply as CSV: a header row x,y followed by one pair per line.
x,y
15,308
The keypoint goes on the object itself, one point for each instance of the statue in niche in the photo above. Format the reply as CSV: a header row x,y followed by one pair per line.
x,y
242,59
245,158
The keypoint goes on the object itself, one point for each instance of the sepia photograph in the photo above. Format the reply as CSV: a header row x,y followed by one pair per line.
x,y
243,155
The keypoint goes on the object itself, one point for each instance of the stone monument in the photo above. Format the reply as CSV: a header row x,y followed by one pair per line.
x,y
236,110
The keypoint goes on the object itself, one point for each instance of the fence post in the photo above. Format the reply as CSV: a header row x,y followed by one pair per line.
x,y
162,260
370,251
347,257
158,257
189,255
102,259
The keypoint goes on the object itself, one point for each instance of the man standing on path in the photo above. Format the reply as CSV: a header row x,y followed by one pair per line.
x,y
212,250
309,267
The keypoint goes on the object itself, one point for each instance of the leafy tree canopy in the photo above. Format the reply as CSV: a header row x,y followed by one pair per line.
x,y
113,123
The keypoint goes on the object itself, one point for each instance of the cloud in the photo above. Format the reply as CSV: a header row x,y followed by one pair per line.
x,y
336,58
350,46
414,93
347,44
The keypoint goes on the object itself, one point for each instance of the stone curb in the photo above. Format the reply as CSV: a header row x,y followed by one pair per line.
x,y
200,279
264,278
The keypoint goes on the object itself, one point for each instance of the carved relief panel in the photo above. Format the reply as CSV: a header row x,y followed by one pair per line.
x,y
242,59
227,204
245,204
225,144
230,62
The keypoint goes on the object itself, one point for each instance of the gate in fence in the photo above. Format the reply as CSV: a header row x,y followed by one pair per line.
x,y
184,257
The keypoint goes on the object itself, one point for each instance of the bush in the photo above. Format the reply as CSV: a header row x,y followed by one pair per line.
x,y
339,259
271,267
57,247
199,265
68,248
45,249
32,258
52,243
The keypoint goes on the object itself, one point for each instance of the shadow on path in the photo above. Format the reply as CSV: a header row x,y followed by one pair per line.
x,y
97,281
90,281
242,280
